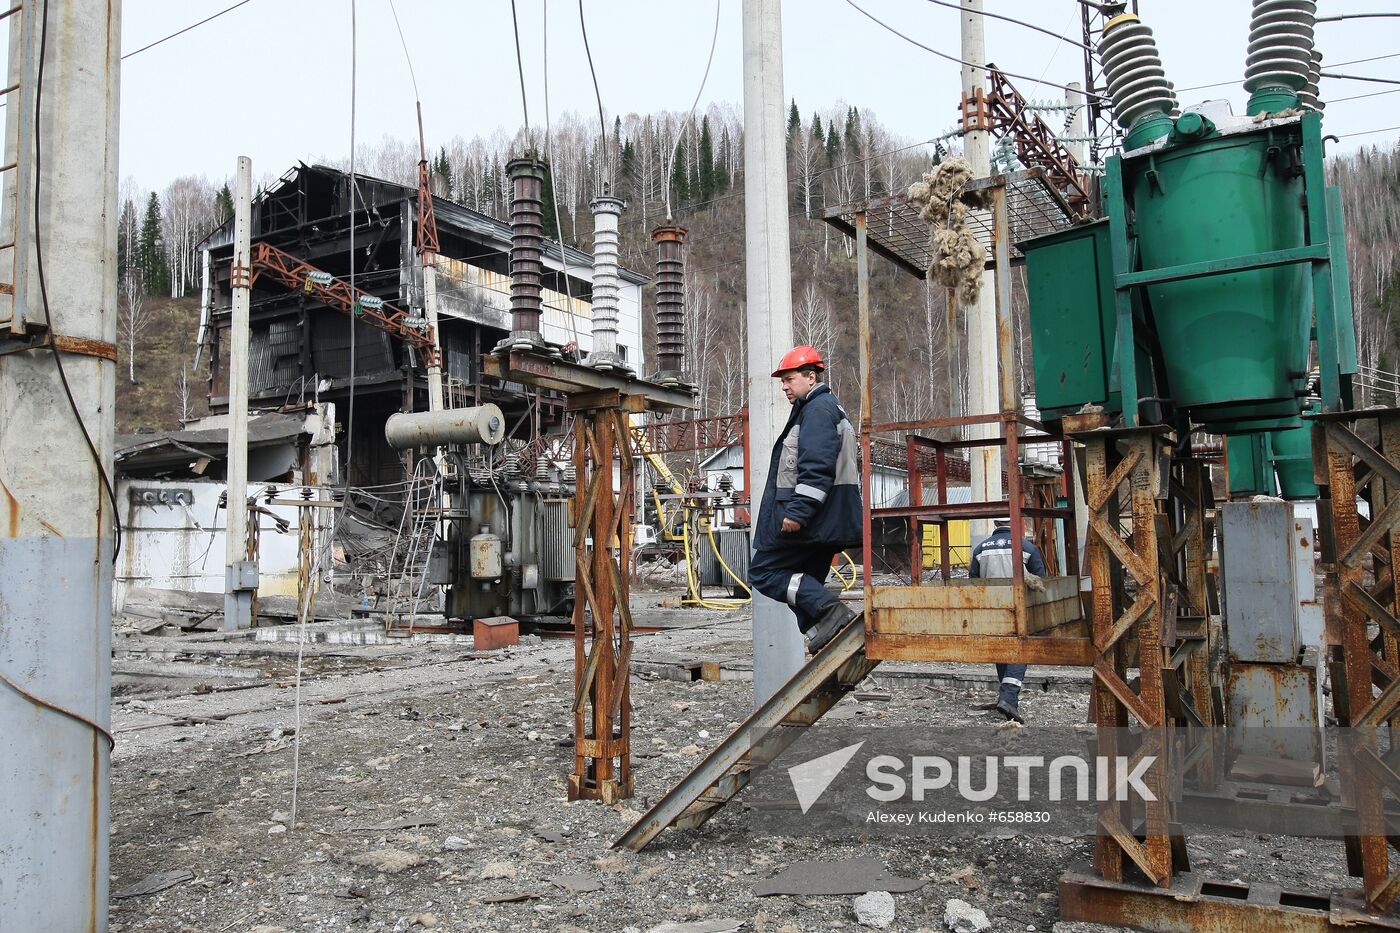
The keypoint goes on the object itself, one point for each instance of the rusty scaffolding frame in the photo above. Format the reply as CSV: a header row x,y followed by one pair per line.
x,y
601,403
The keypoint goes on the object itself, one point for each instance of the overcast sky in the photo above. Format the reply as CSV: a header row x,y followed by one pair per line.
x,y
271,79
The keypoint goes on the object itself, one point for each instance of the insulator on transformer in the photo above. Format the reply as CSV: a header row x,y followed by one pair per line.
x,y
1137,82
1280,45
670,300
526,245
1308,97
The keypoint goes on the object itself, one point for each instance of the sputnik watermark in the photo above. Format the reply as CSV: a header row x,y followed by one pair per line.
x,y
930,773
896,779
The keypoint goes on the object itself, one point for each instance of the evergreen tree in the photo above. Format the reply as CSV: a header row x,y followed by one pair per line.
x,y
852,132
723,172
794,124
705,170
817,134
128,239
155,271
443,169
833,145
223,204
547,199
680,182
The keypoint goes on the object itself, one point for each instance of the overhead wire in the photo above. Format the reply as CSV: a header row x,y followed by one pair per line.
x,y
520,69
680,133
1333,74
953,58
597,95
303,608
186,29
554,190
1011,19
407,57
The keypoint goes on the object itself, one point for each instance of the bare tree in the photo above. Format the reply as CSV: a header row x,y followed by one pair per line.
x,y
134,319
184,395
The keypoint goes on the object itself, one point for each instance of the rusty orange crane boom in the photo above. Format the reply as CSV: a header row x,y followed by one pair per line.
x,y
339,294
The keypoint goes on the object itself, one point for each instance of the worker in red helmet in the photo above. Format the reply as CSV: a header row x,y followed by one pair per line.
x,y
811,508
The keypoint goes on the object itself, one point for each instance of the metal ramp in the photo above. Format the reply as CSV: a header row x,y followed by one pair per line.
x,y
812,691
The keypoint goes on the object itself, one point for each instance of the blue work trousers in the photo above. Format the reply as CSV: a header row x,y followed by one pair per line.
x,y
1012,676
795,575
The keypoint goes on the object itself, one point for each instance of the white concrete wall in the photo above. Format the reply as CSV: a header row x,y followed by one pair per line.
x,y
178,547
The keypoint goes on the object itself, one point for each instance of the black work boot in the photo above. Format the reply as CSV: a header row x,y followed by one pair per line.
x,y
832,620
1010,710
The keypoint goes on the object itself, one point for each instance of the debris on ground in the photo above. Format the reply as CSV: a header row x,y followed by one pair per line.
x,y
961,917
875,909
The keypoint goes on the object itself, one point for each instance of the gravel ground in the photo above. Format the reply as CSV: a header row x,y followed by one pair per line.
x,y
431,796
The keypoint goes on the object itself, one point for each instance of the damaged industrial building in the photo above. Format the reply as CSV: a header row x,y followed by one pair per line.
x,y
470,604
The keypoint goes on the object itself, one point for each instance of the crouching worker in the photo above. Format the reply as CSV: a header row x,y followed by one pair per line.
x,y
993,559
811,508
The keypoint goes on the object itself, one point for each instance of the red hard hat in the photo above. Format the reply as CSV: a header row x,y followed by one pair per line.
x,y
798,357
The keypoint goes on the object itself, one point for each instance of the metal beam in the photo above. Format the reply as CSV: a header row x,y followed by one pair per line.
x,y
564,376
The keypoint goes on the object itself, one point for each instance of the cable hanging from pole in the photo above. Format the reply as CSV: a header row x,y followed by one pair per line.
x,y
680,133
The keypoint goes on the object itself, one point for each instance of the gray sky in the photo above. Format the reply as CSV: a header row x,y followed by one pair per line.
x,y
271,79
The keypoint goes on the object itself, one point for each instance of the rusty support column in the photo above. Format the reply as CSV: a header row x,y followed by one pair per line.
x,y
1359,557
602,615
1009,394
670,303
1131,462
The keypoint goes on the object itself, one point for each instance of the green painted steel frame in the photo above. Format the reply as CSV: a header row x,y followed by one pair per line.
x,y
1333,328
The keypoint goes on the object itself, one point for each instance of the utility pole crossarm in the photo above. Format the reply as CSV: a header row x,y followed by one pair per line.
x,y
1036,143
337,293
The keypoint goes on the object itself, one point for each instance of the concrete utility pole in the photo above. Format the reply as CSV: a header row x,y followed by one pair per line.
x,y
777,645
1074,97
56,550
240,574
983,396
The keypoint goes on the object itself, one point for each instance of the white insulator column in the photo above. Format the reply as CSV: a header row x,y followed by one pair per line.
x,y
606,212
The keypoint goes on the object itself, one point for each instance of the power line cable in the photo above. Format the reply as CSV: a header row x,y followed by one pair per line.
x,y
1333,74
1384,129
407,57
186,29
554,189
303,610
680,133
1011,19
953,58
1341,16
602,124
520,69
1338,100
1355,61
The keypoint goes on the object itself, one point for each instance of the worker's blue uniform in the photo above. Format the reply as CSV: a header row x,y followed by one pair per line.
x,y
992,559
813,480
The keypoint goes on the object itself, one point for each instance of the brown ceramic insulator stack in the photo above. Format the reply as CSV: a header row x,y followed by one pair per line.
x,y
526,244
670,299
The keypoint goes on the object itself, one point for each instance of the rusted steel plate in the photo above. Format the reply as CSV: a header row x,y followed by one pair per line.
x,y
1196,905
979,649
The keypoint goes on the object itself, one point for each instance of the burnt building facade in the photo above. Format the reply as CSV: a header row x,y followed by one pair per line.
x,y
301,348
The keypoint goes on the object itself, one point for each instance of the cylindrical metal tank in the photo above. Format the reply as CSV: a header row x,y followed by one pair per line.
x,y
556,554
1235,345
483,424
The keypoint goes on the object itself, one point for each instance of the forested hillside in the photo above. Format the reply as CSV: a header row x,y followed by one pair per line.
x,y
836,154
